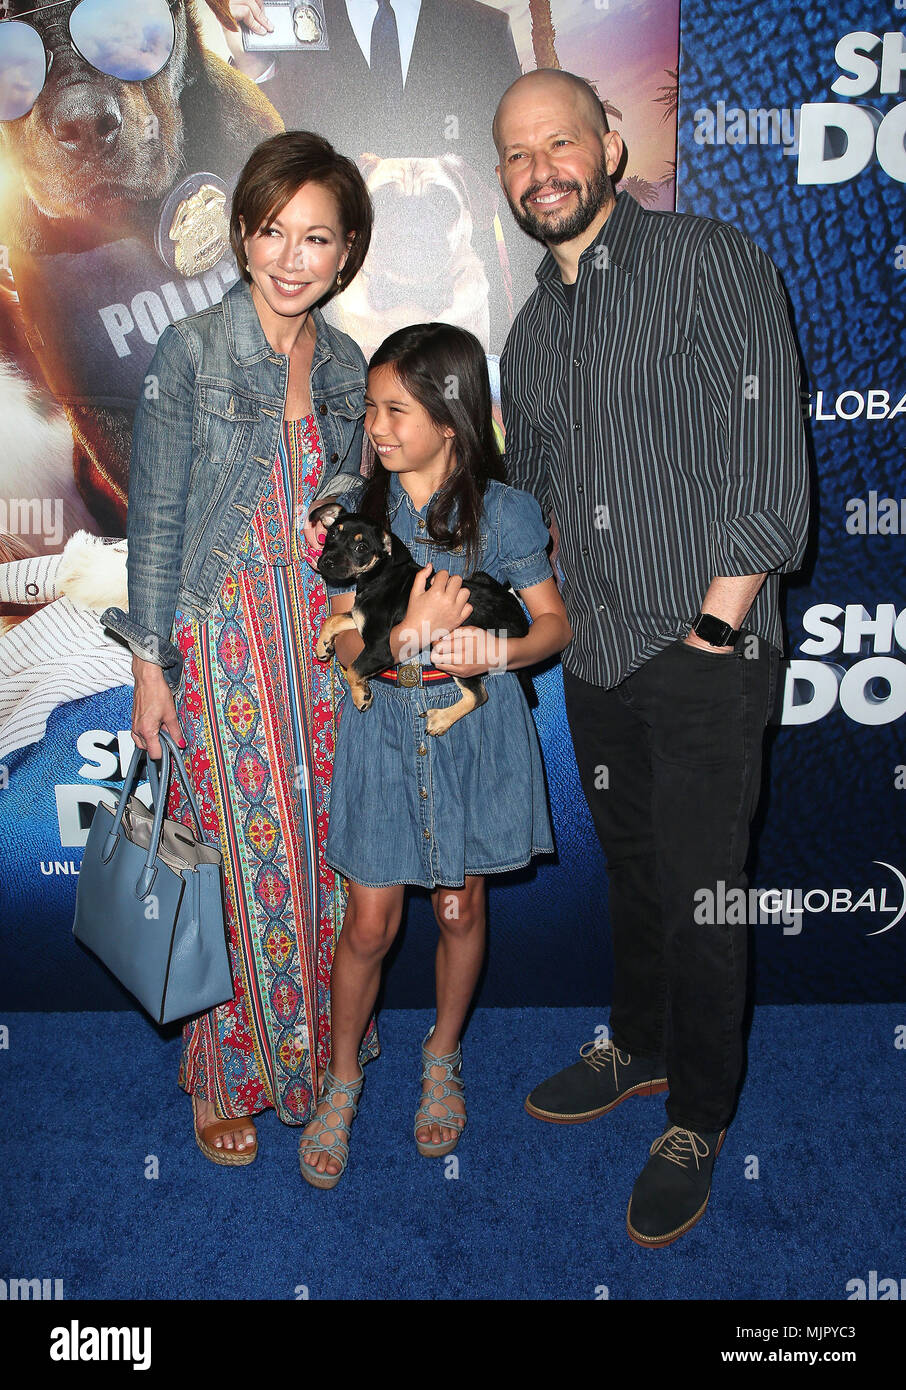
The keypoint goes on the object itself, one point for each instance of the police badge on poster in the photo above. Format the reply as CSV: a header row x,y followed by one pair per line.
x,y
293,27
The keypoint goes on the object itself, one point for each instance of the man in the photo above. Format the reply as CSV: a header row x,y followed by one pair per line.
x,y
651,400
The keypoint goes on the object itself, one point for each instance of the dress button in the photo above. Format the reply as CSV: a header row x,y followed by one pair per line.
x,y
334,457
422,750
423,793
577,361
427,834
577,427
579,487
585,550
421,524
322,408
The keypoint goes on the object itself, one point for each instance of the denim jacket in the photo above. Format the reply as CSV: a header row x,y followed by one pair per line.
x,y
204,442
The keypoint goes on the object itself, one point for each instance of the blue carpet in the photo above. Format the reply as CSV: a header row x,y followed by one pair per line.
x,y
537,1210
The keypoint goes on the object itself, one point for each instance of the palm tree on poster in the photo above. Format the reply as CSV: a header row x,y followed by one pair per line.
x,y
669,97
544,49
543,34
644,192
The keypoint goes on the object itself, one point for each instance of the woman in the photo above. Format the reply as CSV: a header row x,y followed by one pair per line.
x,y
248,408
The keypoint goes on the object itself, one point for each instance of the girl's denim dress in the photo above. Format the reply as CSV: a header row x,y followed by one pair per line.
x,y
409,807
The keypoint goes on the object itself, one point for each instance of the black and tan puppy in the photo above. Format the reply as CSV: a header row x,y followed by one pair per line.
x,y
383,571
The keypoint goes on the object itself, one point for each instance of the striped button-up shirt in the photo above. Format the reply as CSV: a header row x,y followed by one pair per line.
x,y
659,417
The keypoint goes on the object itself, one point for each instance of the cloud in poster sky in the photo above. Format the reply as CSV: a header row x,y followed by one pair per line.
x,y
127,39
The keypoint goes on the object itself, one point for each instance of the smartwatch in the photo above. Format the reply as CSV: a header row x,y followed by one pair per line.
x,y
715,631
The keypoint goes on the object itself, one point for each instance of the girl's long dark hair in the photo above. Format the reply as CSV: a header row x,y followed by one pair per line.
x,y
444,368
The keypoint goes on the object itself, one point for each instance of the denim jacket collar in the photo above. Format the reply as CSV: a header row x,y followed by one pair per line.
x,y
247,342
398,496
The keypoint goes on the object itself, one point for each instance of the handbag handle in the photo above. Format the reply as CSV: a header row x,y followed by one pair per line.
x,y
169,747
159,789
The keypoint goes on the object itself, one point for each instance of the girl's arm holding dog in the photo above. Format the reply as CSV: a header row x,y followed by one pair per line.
x,y
522,543
471,651
436,610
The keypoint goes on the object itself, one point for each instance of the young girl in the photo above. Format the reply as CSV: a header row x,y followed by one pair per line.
x,y
405,806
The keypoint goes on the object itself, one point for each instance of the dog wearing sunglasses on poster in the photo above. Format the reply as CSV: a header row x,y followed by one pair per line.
x,y
357,551
111,114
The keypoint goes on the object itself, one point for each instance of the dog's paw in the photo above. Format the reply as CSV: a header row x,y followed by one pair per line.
x,y
323,650
362,696
437,721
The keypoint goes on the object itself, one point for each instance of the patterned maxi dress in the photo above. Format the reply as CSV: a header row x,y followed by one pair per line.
x,y
259,713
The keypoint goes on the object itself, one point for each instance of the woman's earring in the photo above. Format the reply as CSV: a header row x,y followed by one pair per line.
x,y
338,279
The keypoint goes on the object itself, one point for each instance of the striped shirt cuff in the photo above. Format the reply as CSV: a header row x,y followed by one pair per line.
x,y
755,543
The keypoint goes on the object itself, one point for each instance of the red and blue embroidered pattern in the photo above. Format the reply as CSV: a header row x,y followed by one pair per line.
x,y
259,712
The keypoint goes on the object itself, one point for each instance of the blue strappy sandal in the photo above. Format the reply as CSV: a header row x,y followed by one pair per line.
x,y
331,1139
436,1095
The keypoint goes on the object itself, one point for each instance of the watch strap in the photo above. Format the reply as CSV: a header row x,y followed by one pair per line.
x,y
715,631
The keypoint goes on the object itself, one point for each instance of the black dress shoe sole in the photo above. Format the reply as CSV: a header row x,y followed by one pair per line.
x,y
658,1242
644,1088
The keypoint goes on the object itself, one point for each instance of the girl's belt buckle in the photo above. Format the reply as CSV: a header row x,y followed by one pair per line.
x,y
409,674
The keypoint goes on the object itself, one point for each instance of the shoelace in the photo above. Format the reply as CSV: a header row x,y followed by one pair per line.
x,y
600,1055
679,1145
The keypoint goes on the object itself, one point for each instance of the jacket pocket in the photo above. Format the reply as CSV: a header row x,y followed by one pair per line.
x,y
339,415
224,421
347,401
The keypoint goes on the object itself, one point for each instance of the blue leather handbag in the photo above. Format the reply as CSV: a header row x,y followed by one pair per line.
x,y
149,901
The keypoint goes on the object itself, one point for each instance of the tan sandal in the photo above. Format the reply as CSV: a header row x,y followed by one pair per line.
x,y
233,1158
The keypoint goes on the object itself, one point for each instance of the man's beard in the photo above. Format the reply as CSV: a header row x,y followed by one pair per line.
x,y
555,231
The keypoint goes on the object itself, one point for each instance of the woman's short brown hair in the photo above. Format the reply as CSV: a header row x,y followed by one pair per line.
x,y
275,171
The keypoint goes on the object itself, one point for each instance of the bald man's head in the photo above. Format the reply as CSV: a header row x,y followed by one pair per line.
x,y
557,155
552,84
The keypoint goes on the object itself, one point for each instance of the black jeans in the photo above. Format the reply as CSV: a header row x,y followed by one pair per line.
x,y
670,763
